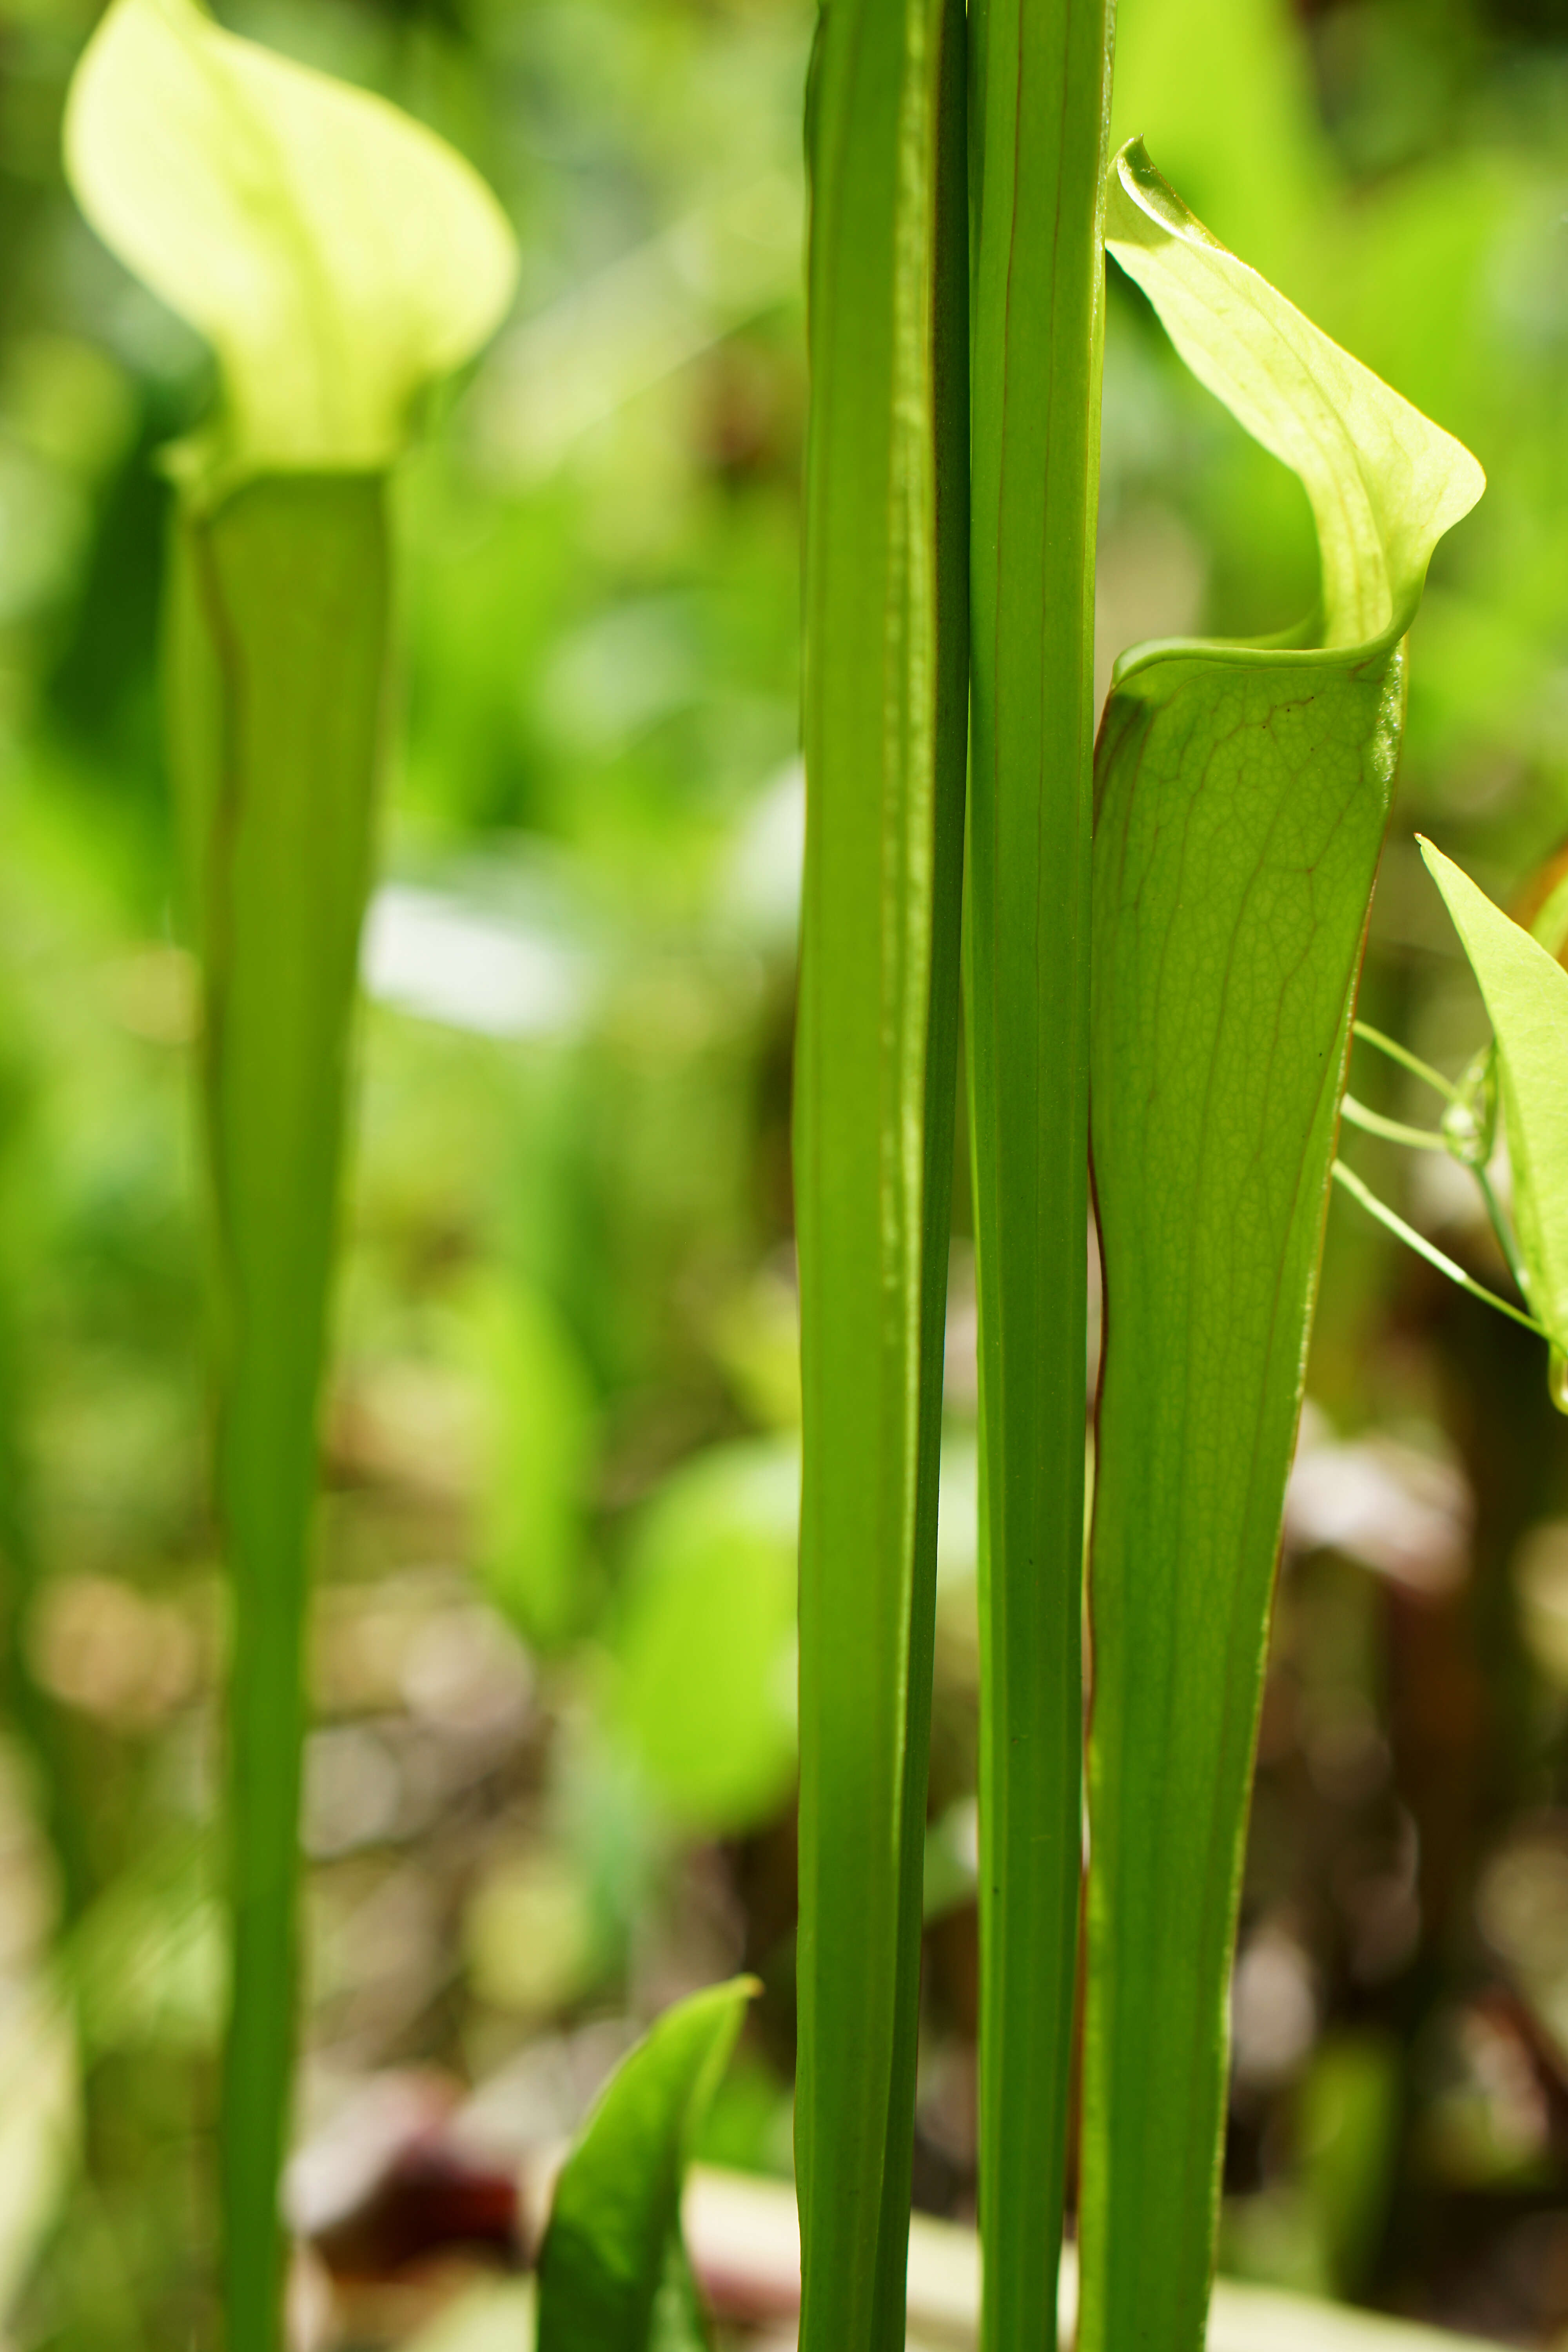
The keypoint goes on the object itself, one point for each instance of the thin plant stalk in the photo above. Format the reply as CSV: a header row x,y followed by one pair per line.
x,y
1392,1131
1392,1223
886,665
1041,84
278,663
1468,1133
1365,1034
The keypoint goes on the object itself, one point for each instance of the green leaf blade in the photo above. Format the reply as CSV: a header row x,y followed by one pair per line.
x,y
1041,77
1526,995
1242,797
278,649
612,2275
1219,1042
884,722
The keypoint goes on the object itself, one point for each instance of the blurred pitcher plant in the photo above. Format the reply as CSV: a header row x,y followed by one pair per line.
x,y
340,259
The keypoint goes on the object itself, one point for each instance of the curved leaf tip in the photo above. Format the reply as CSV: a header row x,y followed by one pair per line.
x,y
1384,482
338,255
612,2270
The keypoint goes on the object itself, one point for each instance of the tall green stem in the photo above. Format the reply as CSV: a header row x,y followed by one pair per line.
x,y
886,668
1040,102
278,660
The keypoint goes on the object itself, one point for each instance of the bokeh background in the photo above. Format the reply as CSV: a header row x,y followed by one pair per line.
x,y
551,1783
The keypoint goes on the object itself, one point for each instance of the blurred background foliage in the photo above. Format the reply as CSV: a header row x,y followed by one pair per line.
x,y
551,1783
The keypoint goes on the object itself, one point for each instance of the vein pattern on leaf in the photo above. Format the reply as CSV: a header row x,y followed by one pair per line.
x,y
1242,795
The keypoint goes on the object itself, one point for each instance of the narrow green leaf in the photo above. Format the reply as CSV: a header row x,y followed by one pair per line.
x,y
277,665
336,255
886,674
613,2275
1526,994
1041,77
1242,795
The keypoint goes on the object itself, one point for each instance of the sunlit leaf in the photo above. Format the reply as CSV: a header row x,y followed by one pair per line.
x,y
337,255
1242,798
613,2275
1385,483
1526,994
